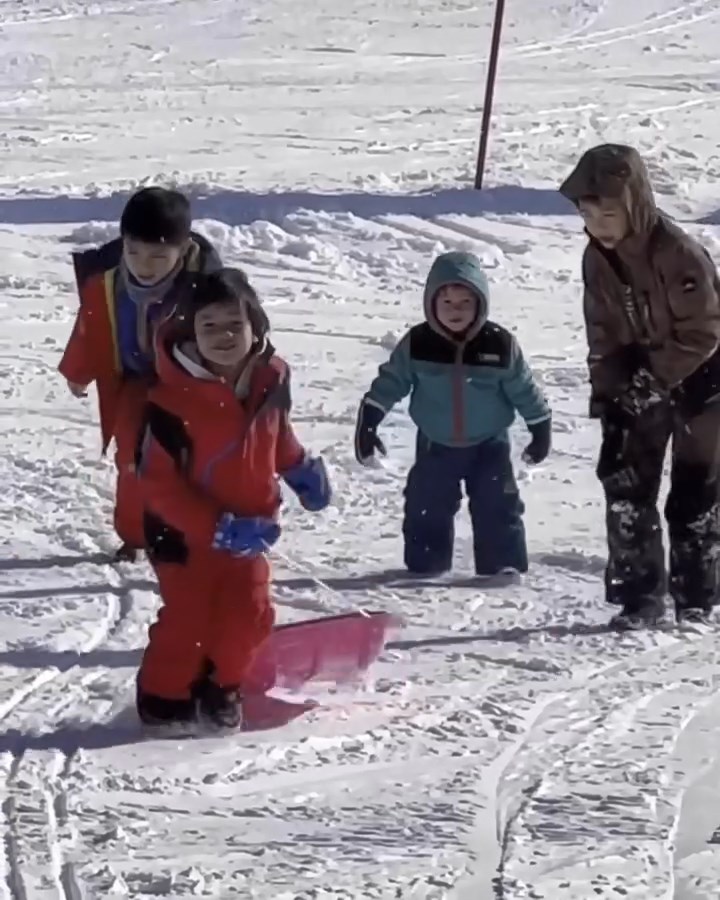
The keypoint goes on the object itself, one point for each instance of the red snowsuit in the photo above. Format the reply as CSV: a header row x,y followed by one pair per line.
x,y
207,452
93,354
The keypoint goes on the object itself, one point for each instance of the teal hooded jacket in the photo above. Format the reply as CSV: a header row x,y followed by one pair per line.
x,y
462,391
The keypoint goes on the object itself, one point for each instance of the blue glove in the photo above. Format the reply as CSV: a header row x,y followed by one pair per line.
x,y
245,536
309,480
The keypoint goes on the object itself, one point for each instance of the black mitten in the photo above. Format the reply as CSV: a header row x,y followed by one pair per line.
x,y
539,447
367,441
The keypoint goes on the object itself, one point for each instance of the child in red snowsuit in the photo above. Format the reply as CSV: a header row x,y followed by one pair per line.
x,y
218,435
126,288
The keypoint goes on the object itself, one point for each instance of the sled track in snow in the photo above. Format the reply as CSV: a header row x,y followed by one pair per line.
x,y
659,693
535,803
54,810
680,16
46,799
80,11
13,876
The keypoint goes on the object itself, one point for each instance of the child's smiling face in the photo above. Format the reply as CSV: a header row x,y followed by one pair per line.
x,y
224,334
456,307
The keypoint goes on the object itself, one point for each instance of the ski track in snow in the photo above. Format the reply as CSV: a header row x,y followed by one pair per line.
x,y
39,794
507,746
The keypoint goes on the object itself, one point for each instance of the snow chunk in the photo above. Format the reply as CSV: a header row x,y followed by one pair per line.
x,y
390,340
93,233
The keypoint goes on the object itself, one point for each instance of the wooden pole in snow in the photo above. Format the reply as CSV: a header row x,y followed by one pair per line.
x,y
489,91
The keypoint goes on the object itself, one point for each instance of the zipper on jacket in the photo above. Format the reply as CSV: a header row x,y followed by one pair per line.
x,y
457,391
632,306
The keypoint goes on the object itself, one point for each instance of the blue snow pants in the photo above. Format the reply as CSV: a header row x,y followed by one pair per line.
x,y
433,495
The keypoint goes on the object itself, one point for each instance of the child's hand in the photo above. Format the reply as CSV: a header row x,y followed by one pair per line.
x,y
245,536
77,390
539,447
643,392
309,479
366,437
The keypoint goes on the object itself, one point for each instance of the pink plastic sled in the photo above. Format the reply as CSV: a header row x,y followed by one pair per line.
x,y
337,649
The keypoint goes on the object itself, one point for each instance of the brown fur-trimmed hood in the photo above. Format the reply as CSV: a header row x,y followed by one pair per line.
x,y
615,171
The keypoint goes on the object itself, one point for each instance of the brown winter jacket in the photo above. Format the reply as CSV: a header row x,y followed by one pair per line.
x,y
654,301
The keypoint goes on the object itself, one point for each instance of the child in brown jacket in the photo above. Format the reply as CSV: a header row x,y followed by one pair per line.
x,y
652,313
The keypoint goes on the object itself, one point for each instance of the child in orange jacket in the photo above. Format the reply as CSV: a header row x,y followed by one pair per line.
x,y
218,435
126,288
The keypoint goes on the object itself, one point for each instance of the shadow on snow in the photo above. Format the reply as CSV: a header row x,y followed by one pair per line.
x,y
237,207
260,713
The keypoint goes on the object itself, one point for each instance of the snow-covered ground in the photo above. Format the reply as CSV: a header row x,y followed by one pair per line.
x,y
508,747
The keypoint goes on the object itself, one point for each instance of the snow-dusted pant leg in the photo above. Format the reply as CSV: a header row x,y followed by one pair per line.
x,y
630,470
693,510
432,500
496,510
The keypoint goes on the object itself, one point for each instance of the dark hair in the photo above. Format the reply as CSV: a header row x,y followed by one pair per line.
x,y
157,215
224,286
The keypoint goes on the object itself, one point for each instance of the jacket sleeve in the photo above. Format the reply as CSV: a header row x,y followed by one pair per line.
x,y
290,452
288,449
693,293
168,493
76,365
394,380
522,389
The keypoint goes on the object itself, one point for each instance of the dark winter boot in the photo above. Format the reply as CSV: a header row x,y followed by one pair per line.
x,y
126,553
645,613
221,707
694,618
162,712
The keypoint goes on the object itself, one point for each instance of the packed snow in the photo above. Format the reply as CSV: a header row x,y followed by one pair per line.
x,y
505,745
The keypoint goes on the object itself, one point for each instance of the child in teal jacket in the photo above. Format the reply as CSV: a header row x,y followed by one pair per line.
x,y
466,377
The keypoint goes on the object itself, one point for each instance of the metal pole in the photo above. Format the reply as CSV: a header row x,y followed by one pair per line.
x,y
489,91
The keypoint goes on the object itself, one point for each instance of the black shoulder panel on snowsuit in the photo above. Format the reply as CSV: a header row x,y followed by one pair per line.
x,y
492,346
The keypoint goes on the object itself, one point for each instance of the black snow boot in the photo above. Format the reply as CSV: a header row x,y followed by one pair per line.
x,y
221,707
645,613
163,712
693,616
126,553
